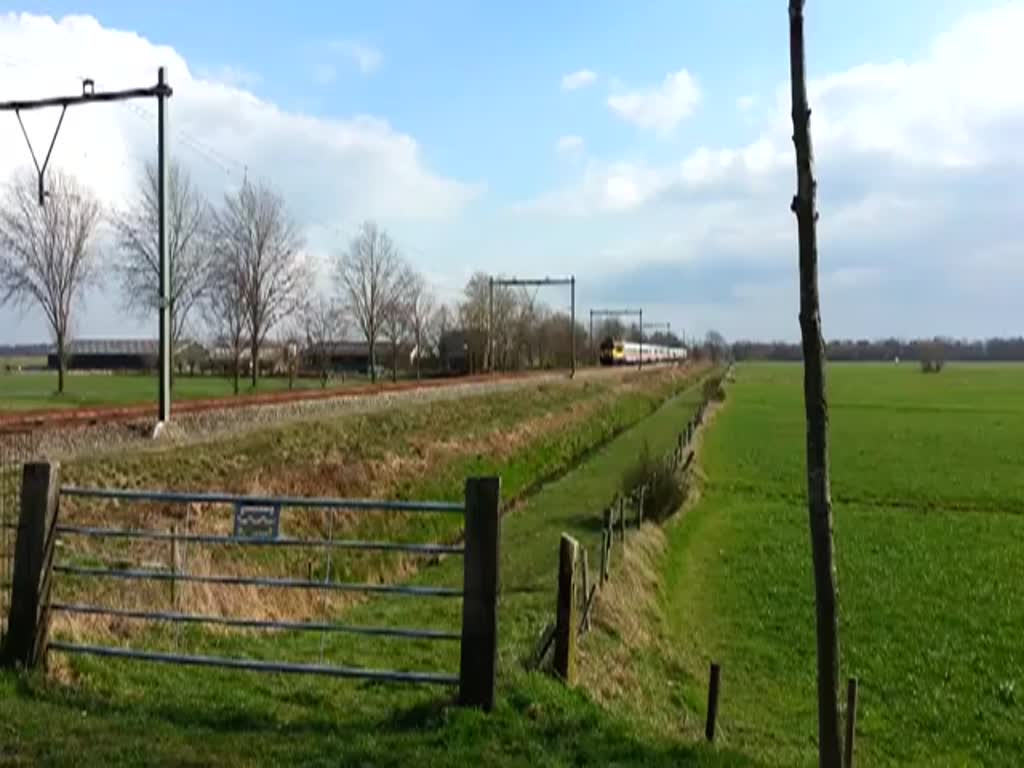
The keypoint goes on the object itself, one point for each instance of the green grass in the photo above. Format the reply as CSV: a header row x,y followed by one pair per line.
x,y
131,713
37,389
928,540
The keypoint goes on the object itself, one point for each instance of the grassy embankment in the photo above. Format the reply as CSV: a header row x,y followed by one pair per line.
x,y
133,713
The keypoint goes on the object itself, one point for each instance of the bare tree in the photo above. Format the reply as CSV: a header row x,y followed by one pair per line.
x,y
370,275
138,242
324,324
254,229
421,310
46,253
819,498
717,346
443,320
224,306
397,322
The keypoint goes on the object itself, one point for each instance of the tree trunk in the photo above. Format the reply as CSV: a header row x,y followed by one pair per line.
x,y
254,349
819,501
373,361
394,361
62,363
238,365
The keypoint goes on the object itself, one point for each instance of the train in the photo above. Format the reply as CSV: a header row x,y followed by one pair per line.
x,y
621,352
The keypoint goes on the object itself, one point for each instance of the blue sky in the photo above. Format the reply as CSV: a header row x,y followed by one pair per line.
x,y
477,83
456,111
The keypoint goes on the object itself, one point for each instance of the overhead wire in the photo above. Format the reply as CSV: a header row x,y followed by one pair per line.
x,y
234,168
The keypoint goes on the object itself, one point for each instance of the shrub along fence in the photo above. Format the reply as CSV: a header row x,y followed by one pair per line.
x,y
47,518
652,493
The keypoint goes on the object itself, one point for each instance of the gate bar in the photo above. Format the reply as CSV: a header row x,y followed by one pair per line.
x,y
143,574
284,541
192,618
267,501
259,666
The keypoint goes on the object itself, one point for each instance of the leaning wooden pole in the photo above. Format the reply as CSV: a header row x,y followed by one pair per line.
x,y
816,407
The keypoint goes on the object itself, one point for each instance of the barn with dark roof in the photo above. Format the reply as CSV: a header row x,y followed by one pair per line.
x,y
109,355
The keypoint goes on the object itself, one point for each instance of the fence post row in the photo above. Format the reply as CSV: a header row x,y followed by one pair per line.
x,y
566,623
28,621
479,652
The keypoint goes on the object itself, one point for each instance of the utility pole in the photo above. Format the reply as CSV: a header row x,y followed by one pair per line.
x,y
570,281
165,261
641,339
89,95
572,323
490,324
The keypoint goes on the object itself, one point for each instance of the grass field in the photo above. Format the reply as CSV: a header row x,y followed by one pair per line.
x,y
38,389
929,540
131,714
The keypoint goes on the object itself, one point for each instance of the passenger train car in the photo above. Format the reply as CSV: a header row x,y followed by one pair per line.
x,y
620,352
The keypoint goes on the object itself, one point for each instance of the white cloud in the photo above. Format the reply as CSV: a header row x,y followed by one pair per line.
x,y
918,167
332,172
366,58
570,144
661,107
746,103
231,75
579,79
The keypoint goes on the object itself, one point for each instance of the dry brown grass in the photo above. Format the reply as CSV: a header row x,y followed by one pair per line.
x,y
626,610
329,475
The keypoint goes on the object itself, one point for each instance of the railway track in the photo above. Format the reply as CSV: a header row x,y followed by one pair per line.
x,y
52,418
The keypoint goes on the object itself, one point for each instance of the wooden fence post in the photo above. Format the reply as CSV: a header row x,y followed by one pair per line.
x,y
28,621
174,567
586,585
709,728
851,720
565,625
606,560
622,519
479,651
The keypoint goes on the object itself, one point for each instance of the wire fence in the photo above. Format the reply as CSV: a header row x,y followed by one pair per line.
x,y
16,448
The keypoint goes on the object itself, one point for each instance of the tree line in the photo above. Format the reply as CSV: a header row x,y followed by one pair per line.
x,y
241,276
239,269
994,349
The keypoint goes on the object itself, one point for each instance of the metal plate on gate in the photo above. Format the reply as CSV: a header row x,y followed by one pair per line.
x,y
257,521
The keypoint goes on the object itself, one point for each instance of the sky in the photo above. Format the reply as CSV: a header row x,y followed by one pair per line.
x,y
642,147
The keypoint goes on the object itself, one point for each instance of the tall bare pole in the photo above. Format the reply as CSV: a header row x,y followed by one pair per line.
x,y
165,261
819,500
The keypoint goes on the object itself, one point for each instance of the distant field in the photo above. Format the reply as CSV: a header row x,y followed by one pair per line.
x,y
929,538
27,391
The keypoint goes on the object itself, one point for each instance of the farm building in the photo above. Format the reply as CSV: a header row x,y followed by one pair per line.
x,y
108,355
353,356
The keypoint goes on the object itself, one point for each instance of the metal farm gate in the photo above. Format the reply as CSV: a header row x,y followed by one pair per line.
x,y
250,523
